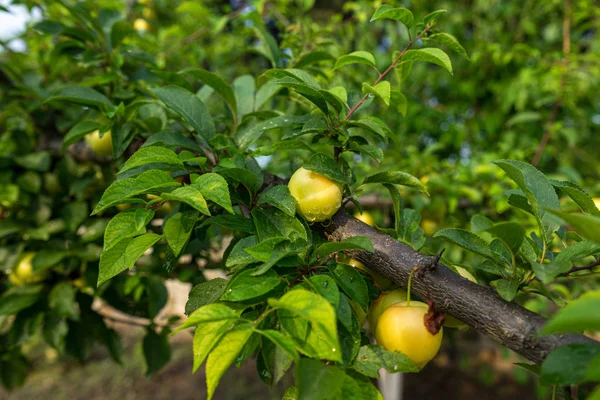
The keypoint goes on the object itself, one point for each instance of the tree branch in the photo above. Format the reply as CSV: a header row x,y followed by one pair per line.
x,y
478,306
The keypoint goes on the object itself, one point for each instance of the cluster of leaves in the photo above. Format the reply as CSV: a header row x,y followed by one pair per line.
x,y
187,175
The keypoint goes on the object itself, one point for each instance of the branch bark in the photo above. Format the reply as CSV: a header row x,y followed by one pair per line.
x,y
478,306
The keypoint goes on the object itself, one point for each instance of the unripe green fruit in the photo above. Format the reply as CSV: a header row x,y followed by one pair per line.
x,y
383,303
452,322
402,328
102,146
23,273
317,197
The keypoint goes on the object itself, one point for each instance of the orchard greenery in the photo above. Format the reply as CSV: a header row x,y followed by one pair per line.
x,y
133,150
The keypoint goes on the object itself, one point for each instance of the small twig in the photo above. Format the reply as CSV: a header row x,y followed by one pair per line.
x,y
336,153
384,73
588,267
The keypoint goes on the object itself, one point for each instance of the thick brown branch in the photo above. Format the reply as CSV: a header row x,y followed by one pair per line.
x,y
476,305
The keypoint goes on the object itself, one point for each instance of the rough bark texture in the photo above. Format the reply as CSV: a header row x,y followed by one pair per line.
x,y
478,306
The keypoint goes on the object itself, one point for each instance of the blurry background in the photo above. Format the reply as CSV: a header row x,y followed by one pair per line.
x,y
529,91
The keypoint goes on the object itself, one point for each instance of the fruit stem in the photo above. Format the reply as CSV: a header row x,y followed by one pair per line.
x,y
415,269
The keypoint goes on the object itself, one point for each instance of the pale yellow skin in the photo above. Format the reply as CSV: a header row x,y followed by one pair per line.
x,y
452,322
383,303
23,273
140,25
101,145
401,328
317,197
365,217
597,202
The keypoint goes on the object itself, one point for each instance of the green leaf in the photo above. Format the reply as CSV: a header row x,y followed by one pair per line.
x,y
431,19
507,289
357,57
568,365
372,151
279,196
372,125
82,95
352,283
316,381
400,102
126,224
273,52
172,139
224,354
19,298
397,205
210,313
178,228
579,196
74,214
547,272
326,166
272,223
308,92
190,195
371,358
282,341
352,243
291,393
381,90
318,311
511,233
577,251
217,83
465,239
189,107
244,286
157,351
206,336
214,187
244,87
313,57
205,293
61,300
397,178
577,316
586,225
326,287
539,192
235,222
167,159
239,256
119,31
399,14
78,132
245,137
123,255
449,41
430,55
149,181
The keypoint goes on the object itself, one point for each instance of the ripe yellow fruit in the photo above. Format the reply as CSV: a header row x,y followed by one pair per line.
x,y
140,25
429,226
597,202
402,328
383,303
23,273
317,197
452,322
102,146
365,217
